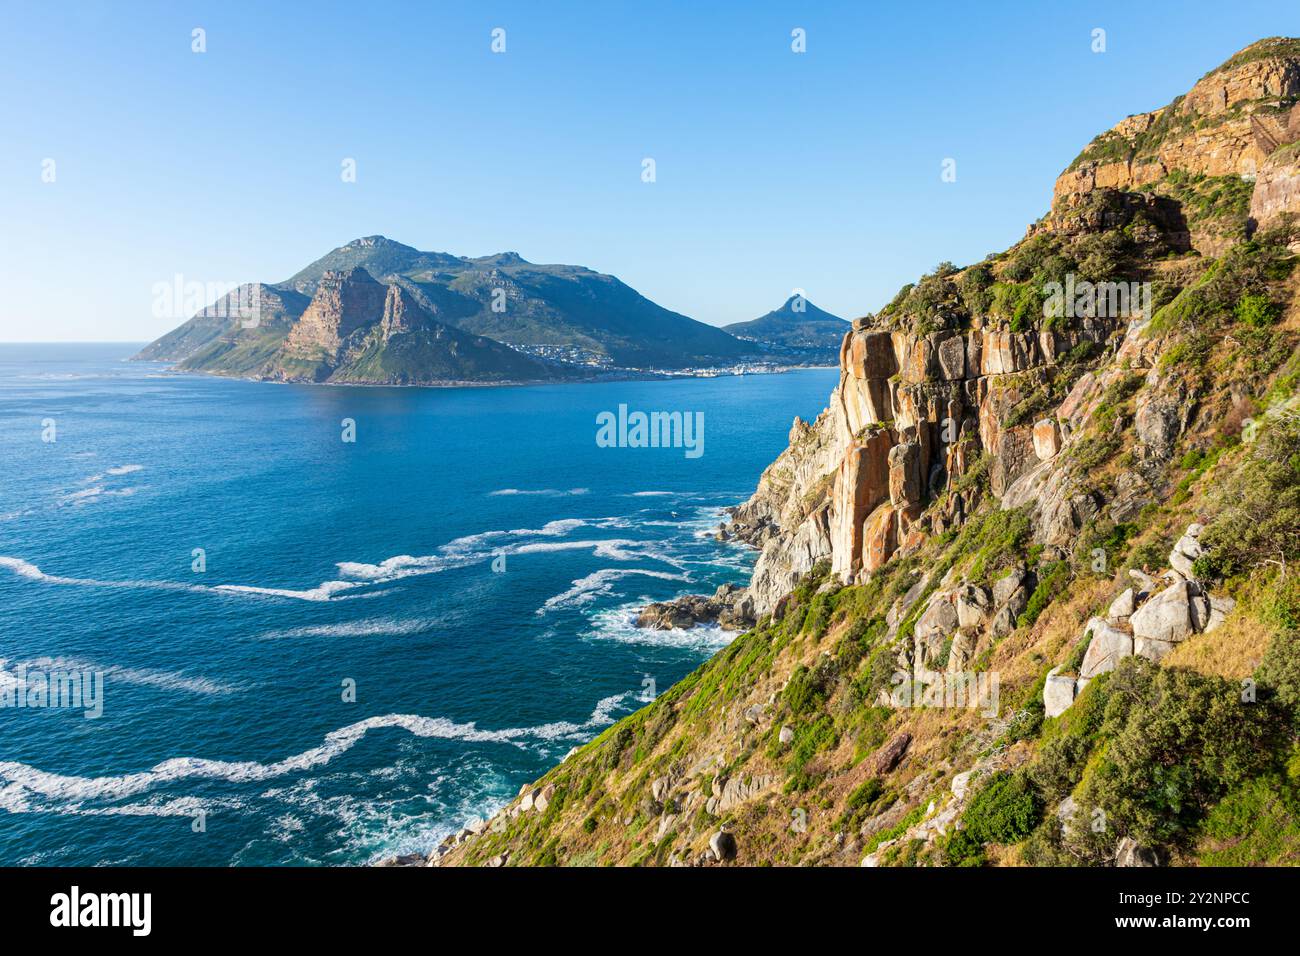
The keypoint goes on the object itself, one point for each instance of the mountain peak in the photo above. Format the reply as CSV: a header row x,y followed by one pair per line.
x,y
503,259
798,304
797,329
370,242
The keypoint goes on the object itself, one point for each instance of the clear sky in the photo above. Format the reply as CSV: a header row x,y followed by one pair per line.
x,y
774,170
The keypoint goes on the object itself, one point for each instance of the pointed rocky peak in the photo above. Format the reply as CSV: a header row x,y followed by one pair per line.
x,y
797,312
403,313
801,309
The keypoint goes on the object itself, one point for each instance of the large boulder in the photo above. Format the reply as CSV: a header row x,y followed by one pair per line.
x,y
1166,616
1107,647
1152,649
939,618
973,606
723,845
1010,598
1220,608
1047,438
1006,587
1058,693
1186,550
888,756
1123,606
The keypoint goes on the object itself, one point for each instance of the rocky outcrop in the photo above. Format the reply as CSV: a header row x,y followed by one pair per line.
x,y
343,303
1277,188
1231,123
910,414
729,607
965,619
889,756
1144,620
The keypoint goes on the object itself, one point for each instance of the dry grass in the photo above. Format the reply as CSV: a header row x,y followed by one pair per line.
x,y
1232,651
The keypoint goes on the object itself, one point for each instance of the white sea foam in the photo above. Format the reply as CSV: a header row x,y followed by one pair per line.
x,y
375,627
87,495
460,552
619,624
321,592
587,589
540,492
115,471
28,788
25,569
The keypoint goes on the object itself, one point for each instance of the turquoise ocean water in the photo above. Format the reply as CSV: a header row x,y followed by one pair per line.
x,y
329,565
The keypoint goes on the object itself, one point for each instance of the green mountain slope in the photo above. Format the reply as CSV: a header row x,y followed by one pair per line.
x,y
264,312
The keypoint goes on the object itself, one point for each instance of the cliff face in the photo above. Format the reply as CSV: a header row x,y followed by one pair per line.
x,y
910,415
1018,568
913,410
343,303
1229,124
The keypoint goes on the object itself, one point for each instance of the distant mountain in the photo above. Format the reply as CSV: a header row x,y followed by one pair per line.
x,y
798,330
353,329
570,315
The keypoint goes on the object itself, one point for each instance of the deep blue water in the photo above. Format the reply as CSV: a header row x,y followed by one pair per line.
x,y
229,700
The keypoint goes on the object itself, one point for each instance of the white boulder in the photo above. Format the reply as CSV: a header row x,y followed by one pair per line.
x,y
1108,645
1058,693
1166,616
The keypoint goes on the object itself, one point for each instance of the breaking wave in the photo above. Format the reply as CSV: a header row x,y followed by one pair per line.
x,y
30,789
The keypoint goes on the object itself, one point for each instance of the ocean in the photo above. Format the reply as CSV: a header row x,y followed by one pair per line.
x,y
311,650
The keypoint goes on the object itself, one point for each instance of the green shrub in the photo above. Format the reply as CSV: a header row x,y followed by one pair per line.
x,y
1259,518
1257,824
1176,742
1278,673
1052,580
1006,810
803,694
1257,310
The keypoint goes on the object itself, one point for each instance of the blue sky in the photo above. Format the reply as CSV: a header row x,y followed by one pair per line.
x,y
775,170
